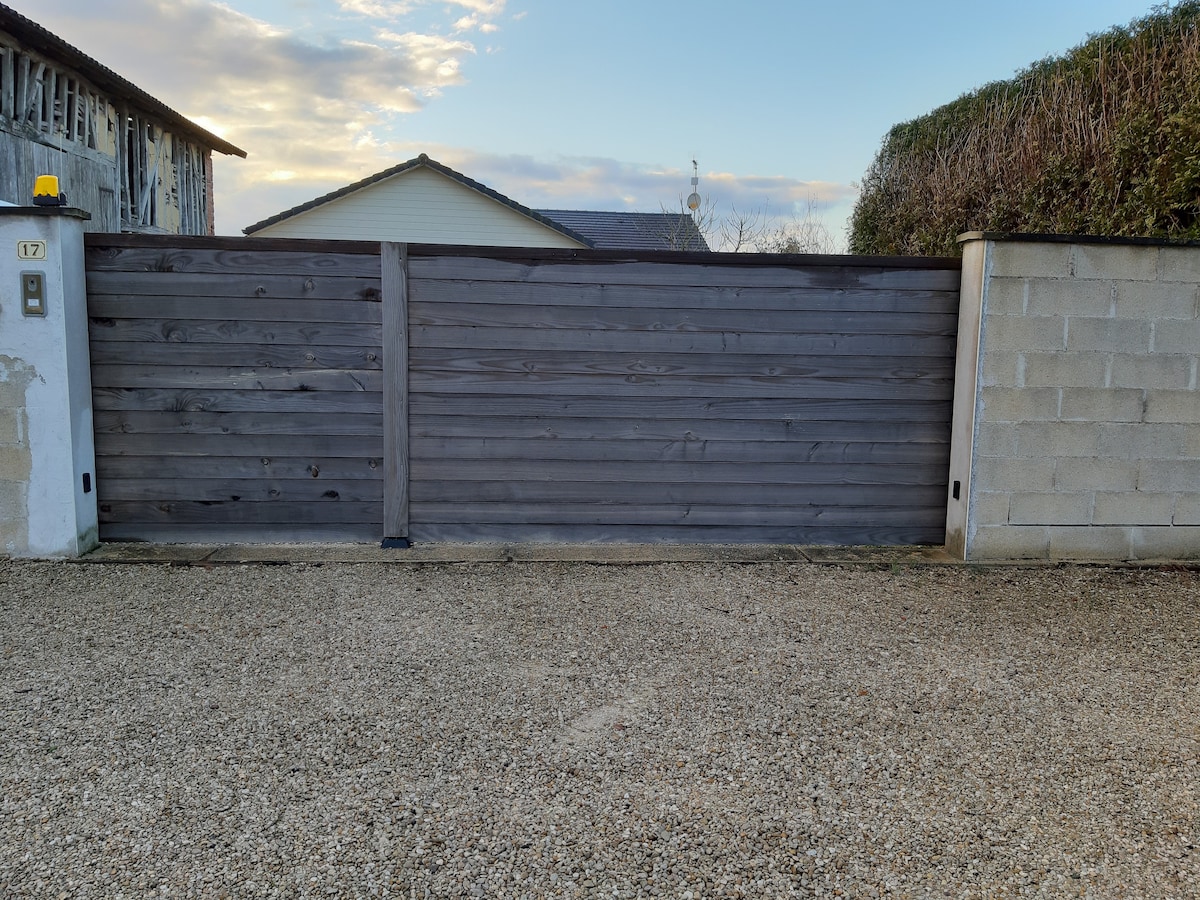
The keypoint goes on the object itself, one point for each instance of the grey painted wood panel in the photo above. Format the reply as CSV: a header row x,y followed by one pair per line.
x,y
187,444
231,512
225,308
186,400
238,378
289,356
395,395
188,287
245,490
170,468
233,423
875,535
191,256
293,532
231,331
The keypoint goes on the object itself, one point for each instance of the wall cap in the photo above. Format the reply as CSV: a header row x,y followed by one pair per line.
x,y
70,212
970,236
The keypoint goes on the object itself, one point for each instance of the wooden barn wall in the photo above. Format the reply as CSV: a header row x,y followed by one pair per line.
x,y
593,399
236,392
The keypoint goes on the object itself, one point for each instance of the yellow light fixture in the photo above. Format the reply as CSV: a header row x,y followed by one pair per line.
x,y
45,192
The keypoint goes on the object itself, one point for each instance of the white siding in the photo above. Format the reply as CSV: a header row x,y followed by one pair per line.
x,y
419,206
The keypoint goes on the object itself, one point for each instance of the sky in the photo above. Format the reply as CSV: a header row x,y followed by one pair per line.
x,y
564,103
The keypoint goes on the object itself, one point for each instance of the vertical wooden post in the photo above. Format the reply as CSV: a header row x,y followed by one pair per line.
x,y
394,271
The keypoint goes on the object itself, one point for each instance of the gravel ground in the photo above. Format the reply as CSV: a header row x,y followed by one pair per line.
x,y
570,730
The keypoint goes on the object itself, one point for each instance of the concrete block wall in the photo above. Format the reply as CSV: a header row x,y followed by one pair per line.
x,y
1078,429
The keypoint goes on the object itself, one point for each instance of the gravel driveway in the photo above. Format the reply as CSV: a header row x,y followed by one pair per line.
x,y
559,729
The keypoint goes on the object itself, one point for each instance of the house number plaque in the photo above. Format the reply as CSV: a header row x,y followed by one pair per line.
x,y
31,249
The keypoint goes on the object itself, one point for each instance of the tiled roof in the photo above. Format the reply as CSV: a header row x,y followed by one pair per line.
x,y
49,44
436,166
632,230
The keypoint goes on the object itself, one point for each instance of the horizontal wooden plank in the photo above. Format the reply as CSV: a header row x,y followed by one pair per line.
x,y
350,446
547,428
240,534
831,343
679,408
771,321
203,288
282,468
685,297
230,378
234,332
650,492
251,309
633,388
170,422
673,514
236,401
650,534
665,472
239,513
245,490
731,451
586,362
715,272
294,356
181,258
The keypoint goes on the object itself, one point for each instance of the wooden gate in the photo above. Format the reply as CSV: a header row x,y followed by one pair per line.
x,y
261,390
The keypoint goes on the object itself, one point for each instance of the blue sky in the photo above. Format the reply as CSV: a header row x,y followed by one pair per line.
x,y
559,103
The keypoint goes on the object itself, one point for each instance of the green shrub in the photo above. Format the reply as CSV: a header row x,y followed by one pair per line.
x,y
1102,140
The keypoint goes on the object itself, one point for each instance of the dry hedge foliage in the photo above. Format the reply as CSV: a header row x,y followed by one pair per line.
x,y
1104,140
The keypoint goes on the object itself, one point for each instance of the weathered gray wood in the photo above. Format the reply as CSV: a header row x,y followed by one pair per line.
x,y
225,307
733,451
714,387
649,534
185,400
232,331
248,490
183,285
171,468
291,356
696,365
770,321
693,297
252,533
347,445
549,429
395,391
882,411
156,257
725,272
225,423
234,378
181,512
834,343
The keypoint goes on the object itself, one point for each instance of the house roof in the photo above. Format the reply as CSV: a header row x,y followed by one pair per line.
x,y
436,166
632,230
47,43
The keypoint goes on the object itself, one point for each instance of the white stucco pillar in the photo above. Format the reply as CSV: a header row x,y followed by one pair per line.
x,y
47,455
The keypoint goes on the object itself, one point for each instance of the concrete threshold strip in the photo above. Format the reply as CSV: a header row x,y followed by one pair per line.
x,y
598,554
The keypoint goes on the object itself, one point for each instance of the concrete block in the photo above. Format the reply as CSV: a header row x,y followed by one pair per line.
x,y
1175,336
1090,542
1190,448
1141,441
16,462
11,428
1108,335
1056,508
1164,372
1147,300
1173,406
1009,542
1013,404
1002,367
1013,475
1187,510
1115,261
990,509
1005,297
1165,542
1013,258
1070,439
1133,508
1065,369
1027,333
993,439
1179,264
1172,476
1094,475
1101,405
1050,297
